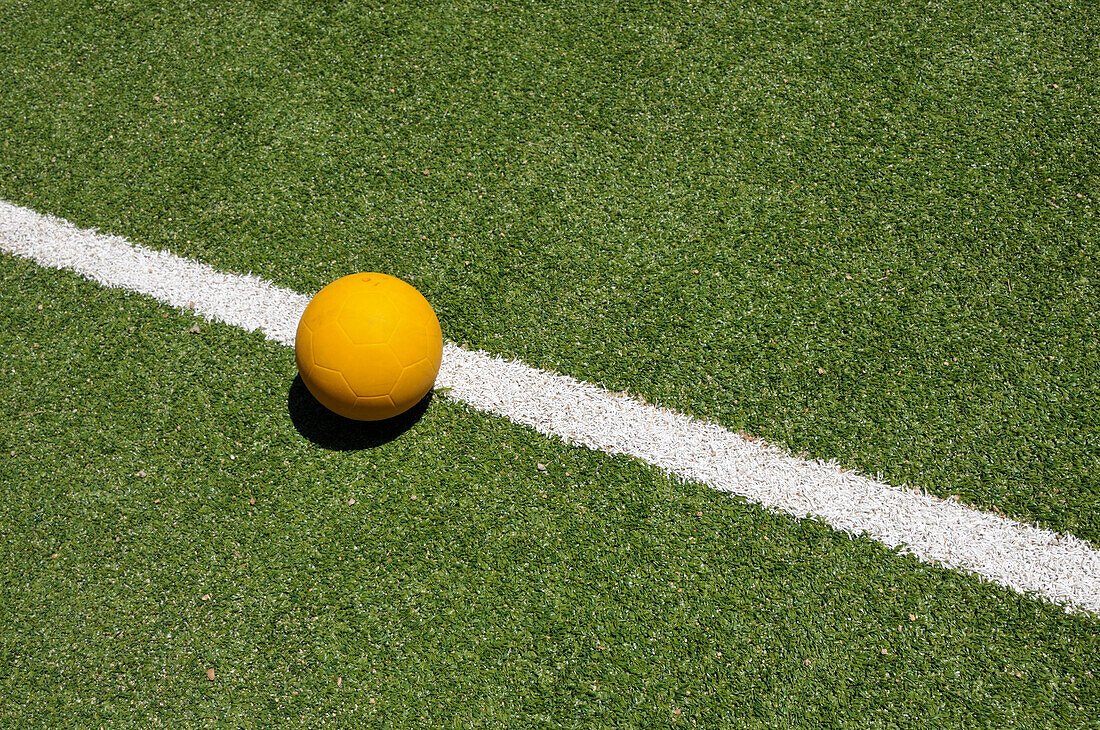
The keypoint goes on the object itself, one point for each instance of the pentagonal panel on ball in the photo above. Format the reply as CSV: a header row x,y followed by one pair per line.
x,y
329,387
325,305
303,346
331,346
410,342
368,318
415,382
372,370
375,408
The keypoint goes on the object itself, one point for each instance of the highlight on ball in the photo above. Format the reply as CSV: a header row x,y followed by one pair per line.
x,y
369,346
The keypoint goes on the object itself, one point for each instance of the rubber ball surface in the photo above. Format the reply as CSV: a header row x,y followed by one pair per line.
x,y
369,346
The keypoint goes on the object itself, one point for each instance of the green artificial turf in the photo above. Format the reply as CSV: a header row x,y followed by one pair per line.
x,y
162,517
865,231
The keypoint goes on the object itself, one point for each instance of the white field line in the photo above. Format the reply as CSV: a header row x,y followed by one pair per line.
x,y
1062,569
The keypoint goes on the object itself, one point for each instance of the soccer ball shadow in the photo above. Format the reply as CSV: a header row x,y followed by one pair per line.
x,y
334,432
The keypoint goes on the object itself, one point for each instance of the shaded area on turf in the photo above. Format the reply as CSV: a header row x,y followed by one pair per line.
x,y
332,431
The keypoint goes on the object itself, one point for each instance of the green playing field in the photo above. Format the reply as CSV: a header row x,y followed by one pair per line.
x,y
866,233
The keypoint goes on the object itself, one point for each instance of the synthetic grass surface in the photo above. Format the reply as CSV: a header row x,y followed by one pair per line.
x,y
163,518
866,231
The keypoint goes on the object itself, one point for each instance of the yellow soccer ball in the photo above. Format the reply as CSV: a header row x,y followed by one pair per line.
x,y
369,346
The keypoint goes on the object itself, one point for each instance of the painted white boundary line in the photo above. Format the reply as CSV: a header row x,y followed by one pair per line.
x,y
1027,559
